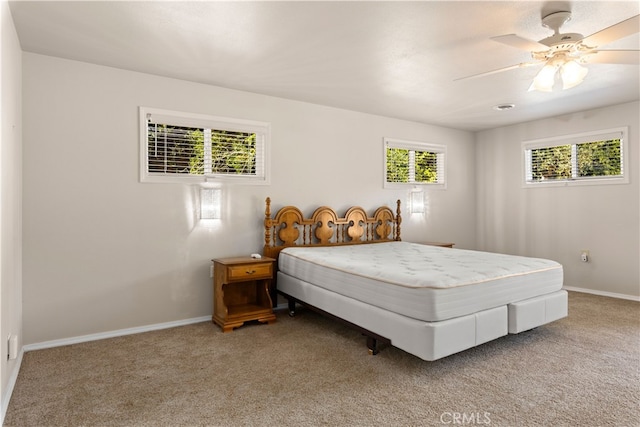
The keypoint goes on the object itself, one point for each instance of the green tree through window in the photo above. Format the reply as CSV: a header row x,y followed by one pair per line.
x,y
601,158
183,150
551,163
179,147
581,160
426,166
411,166
397,165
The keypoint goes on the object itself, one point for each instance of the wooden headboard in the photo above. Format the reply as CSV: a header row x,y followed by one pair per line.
x,y
289,227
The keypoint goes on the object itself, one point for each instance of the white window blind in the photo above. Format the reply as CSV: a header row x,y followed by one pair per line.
x,y
595,157
414,163
180,146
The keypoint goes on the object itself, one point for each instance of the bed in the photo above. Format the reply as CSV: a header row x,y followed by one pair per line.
x,y
427,300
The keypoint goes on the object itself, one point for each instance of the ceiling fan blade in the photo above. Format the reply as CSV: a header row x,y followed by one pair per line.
x,y
499,70
613,57
617,31
521,43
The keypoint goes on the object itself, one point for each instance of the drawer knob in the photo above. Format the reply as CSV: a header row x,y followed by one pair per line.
x,y
250,271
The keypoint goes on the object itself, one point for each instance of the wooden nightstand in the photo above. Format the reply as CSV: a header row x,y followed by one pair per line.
x,y
241,291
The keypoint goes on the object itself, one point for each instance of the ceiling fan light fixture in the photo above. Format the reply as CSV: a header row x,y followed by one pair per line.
x,y
572,74
545,79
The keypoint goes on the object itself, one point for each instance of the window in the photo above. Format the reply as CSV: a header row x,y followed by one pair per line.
x,y
413,163
182,147
587,158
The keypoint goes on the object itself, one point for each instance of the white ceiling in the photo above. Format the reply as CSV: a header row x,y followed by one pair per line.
x,y
396,59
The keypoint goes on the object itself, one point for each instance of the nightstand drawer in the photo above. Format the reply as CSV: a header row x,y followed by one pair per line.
x,y
250,271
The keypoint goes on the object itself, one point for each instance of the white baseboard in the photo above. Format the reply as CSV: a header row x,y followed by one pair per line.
x,y
281,306
602,293
112,334
7,392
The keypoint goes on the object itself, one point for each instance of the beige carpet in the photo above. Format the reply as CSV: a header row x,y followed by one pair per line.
x,y
308,371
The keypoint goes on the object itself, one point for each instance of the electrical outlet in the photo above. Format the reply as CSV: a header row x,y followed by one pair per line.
x,y
584,255
211,271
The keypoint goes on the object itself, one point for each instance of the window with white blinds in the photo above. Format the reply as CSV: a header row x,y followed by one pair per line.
x,y
413,163
179,147
587,158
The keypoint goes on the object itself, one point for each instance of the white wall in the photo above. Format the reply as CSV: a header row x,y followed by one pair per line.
x,y
559,222
104,252
10,196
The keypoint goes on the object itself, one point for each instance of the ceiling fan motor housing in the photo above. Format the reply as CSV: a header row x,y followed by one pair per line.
x,y
555,20
564,44
562,41
559,43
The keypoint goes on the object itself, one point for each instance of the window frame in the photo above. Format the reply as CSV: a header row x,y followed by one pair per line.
x,y
573,140
179,118
439,149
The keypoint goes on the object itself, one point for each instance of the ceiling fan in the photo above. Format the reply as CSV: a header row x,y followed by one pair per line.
x,y
564,54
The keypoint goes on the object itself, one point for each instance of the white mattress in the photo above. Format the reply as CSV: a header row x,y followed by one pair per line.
x,y
427,283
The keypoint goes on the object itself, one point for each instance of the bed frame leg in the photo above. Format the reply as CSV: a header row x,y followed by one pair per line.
x,y
372,338
372,344
292,307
